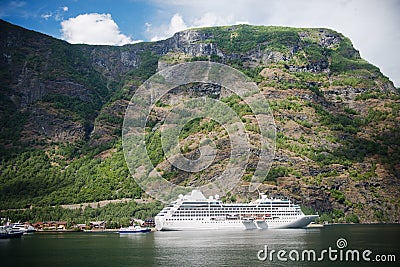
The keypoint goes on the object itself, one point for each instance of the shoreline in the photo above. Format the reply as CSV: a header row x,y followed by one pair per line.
x,y
82,231
311,226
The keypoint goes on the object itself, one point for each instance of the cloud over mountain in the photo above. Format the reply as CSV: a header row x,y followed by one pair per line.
x,y
94,28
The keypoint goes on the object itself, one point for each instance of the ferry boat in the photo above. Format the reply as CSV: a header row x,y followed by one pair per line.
x,y
25,228
8,232
195,212
134,230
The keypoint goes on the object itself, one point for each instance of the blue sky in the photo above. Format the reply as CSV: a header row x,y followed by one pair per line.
x,y
372,25
46,15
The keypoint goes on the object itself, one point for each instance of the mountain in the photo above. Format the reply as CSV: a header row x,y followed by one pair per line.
x,y
337,117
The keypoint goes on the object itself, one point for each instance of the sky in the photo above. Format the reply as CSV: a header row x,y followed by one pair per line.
x,y
372,25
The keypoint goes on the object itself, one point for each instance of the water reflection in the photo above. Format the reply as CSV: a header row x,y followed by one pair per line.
x,y
226,248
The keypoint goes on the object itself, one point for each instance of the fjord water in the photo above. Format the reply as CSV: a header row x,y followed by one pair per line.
x,y
197,248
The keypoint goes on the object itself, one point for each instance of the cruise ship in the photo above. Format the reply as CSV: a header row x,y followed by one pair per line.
x,y
196,212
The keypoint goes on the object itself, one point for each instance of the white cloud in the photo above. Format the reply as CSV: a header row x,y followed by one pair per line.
x,y
58,14
209,19
46,16
241,22
93,28
163,31
148,26
177,24
372,25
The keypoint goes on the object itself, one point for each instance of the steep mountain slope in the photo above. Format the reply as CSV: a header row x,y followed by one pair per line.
x,y
337,117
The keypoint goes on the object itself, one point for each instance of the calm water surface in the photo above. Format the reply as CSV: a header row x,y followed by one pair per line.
x,y
200,248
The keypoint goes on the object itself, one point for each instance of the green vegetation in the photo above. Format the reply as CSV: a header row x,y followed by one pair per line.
x,y
346,58
229,197
115,215
353,81
276,172
367,95
147,67
380,215
317,180
375,115
198,125
337,122
338,195
285,104
11,124
335,216
281,171
355,175
235,102
352,218
111,119
83,110
315,53
201,58
63,175
154,147
242,38
307,210
350,111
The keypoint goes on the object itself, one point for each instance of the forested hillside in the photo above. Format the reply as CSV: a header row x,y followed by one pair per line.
x,y
62,108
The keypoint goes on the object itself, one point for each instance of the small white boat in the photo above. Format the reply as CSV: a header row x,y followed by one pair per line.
x,y
315,225
134,229
25,228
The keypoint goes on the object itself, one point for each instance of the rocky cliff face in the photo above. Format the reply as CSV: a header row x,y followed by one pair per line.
x,y
337,116
38,71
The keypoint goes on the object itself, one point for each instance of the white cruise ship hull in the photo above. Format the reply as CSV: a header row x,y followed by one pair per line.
x,y
198,225
206,224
